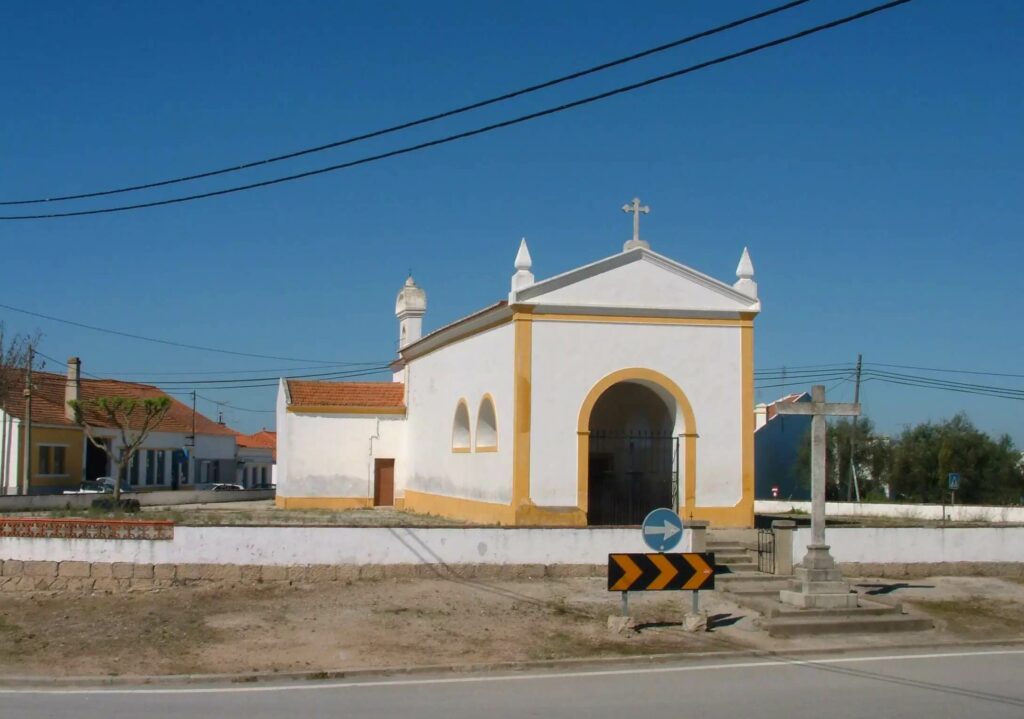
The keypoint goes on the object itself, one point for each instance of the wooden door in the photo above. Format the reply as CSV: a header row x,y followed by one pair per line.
x,y
383,482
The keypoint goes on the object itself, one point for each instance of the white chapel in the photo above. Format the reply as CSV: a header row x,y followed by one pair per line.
x,y
587,398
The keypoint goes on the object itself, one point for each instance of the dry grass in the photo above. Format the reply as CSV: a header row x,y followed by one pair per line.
x,y
977,617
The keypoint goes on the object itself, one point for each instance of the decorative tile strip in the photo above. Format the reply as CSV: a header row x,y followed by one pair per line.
x,y
71,528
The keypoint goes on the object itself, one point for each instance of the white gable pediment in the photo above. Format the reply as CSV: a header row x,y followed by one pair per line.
x,y
638,280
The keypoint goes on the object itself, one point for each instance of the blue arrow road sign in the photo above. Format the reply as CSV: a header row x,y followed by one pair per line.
x,y
662,529
954,481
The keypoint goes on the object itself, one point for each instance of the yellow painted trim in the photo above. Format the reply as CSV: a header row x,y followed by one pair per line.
x,y
343,409
323,502
476,430
459,449
530,515
471,510
689,479
399,503
568,317
645,320
522,384
747,427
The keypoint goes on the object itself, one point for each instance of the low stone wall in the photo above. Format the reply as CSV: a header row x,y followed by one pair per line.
x,y
36,576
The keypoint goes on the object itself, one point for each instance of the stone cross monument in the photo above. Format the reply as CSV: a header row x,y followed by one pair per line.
x,y
636,208
818,583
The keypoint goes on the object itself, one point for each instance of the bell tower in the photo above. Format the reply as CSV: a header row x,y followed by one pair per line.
x,y
410,307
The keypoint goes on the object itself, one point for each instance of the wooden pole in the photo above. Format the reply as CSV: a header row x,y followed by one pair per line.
x,y
27,462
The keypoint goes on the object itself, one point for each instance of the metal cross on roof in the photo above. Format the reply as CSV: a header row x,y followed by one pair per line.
x,y
636,208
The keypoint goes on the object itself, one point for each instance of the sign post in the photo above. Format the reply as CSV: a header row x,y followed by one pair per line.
x,y
954,484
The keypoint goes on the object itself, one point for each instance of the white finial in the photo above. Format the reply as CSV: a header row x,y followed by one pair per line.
x,y
523,259
523,277
745,276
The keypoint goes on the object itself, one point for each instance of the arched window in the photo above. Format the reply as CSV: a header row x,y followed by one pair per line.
x,y
460,428
486,426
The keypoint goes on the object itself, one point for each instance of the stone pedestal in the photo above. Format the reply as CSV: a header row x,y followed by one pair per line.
x,y
818,583
783,529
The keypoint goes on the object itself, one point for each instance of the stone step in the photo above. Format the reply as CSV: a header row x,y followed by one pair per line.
x,y
727,557
750,582
803,626
767,603
735,567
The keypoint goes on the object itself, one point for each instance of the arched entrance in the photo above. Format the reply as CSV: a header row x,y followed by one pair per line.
x,y
631,455
637,448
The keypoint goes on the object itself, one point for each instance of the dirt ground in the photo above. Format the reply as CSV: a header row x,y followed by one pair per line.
x,y
334,626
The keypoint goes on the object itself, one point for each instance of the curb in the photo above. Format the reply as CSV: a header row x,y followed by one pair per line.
x,y
27,682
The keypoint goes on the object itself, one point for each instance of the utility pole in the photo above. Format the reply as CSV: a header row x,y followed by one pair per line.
x,y
3,440
27,462
854,485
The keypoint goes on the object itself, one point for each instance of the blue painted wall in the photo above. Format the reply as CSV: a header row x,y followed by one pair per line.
x,y
776,446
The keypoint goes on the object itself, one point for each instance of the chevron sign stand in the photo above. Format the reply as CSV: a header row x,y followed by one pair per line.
x,y
655,572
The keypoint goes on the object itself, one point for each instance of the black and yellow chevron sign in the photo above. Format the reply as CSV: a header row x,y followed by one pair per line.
x,y
657,572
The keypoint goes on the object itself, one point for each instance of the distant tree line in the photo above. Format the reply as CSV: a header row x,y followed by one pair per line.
x,y
914,466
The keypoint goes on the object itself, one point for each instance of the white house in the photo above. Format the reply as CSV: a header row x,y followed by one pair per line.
x,y
257,454
590,397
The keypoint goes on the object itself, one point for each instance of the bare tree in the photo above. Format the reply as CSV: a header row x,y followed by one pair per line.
x,y
122,413
14,354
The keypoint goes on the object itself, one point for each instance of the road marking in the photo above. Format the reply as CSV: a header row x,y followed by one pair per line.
x,y
771,663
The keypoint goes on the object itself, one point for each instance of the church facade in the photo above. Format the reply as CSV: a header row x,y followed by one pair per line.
x,y
588,398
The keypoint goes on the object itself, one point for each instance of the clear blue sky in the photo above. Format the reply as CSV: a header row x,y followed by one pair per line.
x,y
875,171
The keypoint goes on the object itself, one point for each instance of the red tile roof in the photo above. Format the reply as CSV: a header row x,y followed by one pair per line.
x,y
346,394
264,439
48,404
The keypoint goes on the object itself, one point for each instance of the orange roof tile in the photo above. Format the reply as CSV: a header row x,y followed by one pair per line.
x,y
264,439
48,404
346,394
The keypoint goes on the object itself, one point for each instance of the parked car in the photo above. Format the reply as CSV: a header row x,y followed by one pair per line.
x,y
89,487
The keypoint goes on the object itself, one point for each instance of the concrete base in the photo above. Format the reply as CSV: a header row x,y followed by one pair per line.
x,y
621,625
818,583
695,622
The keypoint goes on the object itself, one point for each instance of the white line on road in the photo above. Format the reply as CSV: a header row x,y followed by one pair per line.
x,y
318,686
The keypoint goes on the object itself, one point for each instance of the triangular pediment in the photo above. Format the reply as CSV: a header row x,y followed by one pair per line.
x,y
638,280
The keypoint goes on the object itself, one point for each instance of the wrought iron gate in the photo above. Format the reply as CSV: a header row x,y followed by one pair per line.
x,y
766,551
630,474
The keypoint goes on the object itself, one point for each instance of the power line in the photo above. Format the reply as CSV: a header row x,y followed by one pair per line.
x,y
192,372
949,389
231,406
802,382
424,120
273,381
242,383
917,381
161,341
936,369
943,382
478,131
789,368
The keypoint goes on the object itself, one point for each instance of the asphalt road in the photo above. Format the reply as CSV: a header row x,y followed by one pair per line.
x,y
979,683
